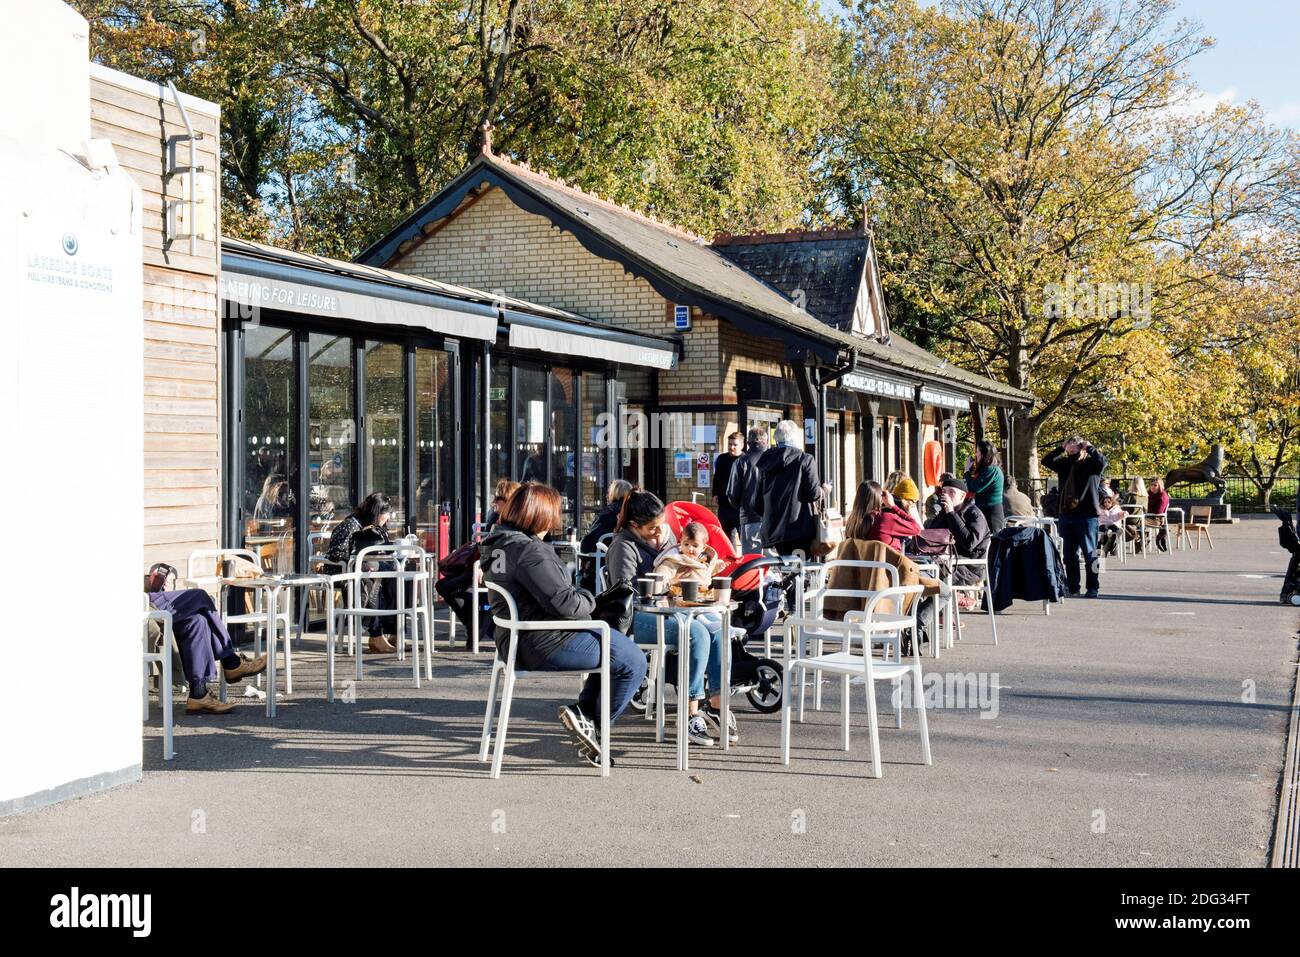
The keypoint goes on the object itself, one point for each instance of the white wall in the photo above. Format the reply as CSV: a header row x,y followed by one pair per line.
x,y
71,426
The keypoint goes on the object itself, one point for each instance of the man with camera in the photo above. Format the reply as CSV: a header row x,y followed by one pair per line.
x,y
1078,466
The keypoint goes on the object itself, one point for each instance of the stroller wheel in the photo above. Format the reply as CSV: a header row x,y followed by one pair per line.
x,y
766,695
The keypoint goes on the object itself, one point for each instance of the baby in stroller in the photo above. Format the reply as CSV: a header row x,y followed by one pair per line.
x,y
691,559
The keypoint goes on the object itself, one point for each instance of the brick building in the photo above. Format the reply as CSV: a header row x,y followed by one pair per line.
x,y
763,328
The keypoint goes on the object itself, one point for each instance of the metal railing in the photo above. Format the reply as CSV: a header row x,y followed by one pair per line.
x,y
1241,493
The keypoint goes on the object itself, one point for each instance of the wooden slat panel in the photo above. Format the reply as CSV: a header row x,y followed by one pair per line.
x,y
177,554
182,460
167,368
183,407
179,388
176,475
177,534
180,315
168,332
190,425
179,353
180,515
180,497
148,106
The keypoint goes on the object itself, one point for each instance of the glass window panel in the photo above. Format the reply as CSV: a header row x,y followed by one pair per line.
x,y
502,441
385,412
435,449
331,442
530,423
596,437
269,502
564,440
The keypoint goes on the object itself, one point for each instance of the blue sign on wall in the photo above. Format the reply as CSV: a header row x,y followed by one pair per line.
x,y
681,317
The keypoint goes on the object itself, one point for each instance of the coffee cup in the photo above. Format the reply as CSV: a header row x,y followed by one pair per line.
x,y
690,590
722,590
228,568
645,587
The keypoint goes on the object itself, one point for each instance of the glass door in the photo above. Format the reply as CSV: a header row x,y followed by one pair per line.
x,y
435,449
385,405
331,443
268,501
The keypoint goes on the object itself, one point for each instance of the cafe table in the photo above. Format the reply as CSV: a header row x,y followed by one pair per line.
x,y
270,586
684,614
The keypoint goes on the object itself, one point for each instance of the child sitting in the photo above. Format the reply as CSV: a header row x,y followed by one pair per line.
x,y
691,559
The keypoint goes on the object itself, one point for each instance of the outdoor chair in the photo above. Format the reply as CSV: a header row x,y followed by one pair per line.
x,y
1200,524
813,607
881,622
420,611
505,672
257,617
163,659
983,588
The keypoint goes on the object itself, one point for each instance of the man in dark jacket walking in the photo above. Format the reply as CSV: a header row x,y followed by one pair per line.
x,y
728,514
744,491
789,488
1078,466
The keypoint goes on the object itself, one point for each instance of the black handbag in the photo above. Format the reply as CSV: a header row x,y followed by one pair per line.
x,y
614,606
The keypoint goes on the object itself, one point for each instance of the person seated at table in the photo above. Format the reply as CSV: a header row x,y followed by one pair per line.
x,y
877,517
905,493
932,500
959,514
641,537
1017,502
500,495
516,557
367,526
1136,494
605,523
203,640
1157,512
1110,525
276,501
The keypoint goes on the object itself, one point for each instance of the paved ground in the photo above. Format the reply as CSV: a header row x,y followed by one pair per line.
x,y
1121,738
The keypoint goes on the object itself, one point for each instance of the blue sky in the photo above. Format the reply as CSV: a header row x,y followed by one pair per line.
x,y
1256,56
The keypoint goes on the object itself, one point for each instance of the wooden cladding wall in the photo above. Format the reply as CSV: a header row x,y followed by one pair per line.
x,y
182,426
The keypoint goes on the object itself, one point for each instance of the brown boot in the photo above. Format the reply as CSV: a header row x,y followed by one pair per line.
x,y
209,704
247,668
379,645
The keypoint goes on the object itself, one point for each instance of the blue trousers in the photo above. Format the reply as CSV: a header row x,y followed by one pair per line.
x,y
200,633
1079,535
626,670
706,647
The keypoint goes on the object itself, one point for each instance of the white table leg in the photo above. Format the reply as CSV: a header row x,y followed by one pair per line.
x,y
271,629
724,709
683,689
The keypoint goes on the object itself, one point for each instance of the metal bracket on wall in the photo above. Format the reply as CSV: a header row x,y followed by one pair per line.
x,y
172,170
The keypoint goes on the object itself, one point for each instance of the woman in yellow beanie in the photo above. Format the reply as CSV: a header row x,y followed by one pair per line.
x,y
904,489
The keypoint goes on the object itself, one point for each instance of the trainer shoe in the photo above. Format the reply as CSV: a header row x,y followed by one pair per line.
x,y
698,731
582,730
713,718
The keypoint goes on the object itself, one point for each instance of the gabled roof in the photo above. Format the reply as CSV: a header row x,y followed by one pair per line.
x,y
679,265
825,266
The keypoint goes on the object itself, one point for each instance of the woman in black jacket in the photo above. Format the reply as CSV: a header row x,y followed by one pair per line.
x,y
366,526
789,488
516,557
605,523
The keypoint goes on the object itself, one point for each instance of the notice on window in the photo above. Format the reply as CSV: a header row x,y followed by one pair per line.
x,y
703,478
682,465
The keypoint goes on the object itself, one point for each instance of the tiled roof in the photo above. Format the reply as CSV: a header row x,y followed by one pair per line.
x,y
675,261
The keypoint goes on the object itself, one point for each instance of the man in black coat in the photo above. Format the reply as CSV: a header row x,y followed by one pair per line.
x,y
1078,466
744,491
789,489
959,514
728,514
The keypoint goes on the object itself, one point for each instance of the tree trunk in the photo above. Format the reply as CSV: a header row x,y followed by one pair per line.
x,y
1025,466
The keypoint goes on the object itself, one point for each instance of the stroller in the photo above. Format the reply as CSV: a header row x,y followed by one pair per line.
x,y
757,590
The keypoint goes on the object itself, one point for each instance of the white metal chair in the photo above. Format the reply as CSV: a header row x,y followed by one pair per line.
x,y
983,587
505,672
872,626
163,658
598,556
941,603
813,606
353,582
257,617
